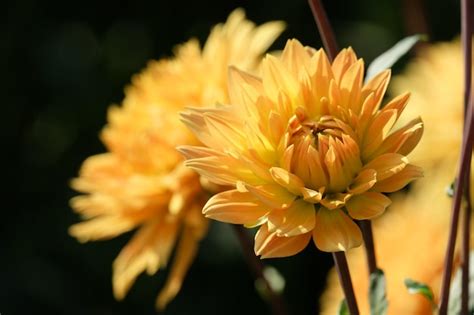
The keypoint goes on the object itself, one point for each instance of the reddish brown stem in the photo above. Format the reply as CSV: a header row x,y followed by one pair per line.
x,y
345,280
256,266
466,237
366,228
462,184
466,33
324,27
466,151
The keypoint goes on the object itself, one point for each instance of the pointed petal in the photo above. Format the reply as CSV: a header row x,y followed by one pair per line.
x,y
235,207
295,57
297,219
222,170
269,245
344,59
377,131
414,136
273,195
367,205
287,180
399,180
147,250
335,231
402,141
185,254
265,35
350,86
387,165
363,182
312,196
378,86
244,90
276,79
335,201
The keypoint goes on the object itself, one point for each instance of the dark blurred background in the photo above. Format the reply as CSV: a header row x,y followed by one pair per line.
x,y
64,63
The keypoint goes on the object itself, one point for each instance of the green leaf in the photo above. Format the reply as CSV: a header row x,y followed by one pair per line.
x,y
415,287
274,279
454,305
391,56
343,309
450,189
377,293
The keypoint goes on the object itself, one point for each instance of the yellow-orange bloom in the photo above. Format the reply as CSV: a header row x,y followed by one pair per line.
x,y
405,247
142,182
306,148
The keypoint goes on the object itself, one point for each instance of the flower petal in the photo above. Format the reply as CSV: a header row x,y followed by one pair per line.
x,y
402,141
387,165
344,59
269,245
185,254
363,182
290,181
335,231
350,86
235,207
297,219
367,205
399,180
273,195
149,249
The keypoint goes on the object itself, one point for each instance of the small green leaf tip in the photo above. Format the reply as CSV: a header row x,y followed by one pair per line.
x,y
391,56
274,279
343,309
415,287
377,293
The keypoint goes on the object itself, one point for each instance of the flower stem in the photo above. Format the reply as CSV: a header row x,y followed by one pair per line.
x,y
462,184
255,264
366,228
466,33
324,27
345,280
466,235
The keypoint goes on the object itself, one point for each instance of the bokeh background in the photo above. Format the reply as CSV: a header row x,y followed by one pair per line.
x,y
64,63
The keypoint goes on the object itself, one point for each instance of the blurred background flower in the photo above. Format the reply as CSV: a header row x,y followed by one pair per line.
x,y
64,63
141,181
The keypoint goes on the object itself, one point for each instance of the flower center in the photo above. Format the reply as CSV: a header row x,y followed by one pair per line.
x,y
325,152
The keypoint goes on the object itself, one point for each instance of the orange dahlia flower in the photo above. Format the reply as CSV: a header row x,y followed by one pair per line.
x,y
307,149
141,182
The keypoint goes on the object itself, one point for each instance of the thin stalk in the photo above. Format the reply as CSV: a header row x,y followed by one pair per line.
x,y
466,34
256,266
345,280
466,236
324,27
465,160
366,228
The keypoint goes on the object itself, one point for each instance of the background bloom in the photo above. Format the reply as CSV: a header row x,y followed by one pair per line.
x,y
306,148
141,181
411,238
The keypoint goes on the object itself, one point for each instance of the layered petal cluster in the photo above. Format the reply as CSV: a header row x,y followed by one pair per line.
x,y
404,250
141,182
307,149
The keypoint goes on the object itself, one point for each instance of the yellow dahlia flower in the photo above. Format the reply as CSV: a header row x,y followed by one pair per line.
x,y
404,248
141,182
307,149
